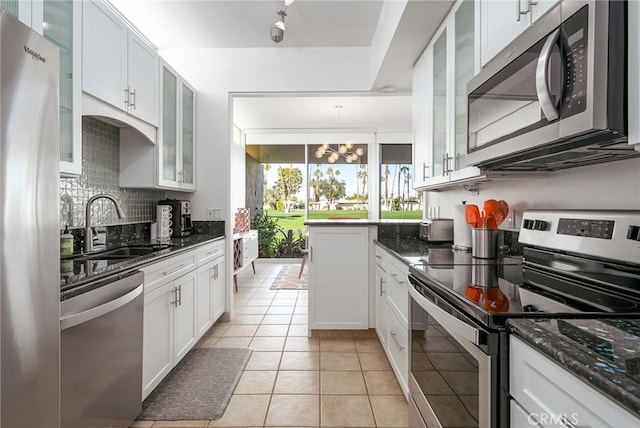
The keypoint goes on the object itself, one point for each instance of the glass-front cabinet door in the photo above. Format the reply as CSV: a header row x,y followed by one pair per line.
x,y
188,148
176,148
440,102
465,65
58,21
453,57
58,28
169,140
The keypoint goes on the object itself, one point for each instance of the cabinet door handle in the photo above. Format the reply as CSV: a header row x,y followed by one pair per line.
x,y
395,276
425,167
173,270
127,96
179,295
527,10
310,254
132,101
394,336
175,291
378,256
382,292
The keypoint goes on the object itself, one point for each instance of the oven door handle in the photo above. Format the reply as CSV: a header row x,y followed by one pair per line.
x,y
542,77
450,323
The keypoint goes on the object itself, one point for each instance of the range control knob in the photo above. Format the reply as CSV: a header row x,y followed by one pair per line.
x,y
527,224
633,233
540,225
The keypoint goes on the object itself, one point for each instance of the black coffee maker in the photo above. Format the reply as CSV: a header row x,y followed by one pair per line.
x,y
181,217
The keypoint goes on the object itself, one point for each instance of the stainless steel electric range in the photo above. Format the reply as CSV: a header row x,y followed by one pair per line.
x,y
575,264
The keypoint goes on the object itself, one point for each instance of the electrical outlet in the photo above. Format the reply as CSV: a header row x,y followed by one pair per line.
x,y
214,214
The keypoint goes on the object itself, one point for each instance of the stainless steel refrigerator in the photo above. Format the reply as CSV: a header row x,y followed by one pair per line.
x,y
29,232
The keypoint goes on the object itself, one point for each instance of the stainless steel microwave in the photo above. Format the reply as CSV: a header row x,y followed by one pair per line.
x,y
556,97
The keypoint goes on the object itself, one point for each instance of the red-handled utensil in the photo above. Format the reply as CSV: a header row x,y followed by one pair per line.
x,y
502,211
472,216
489,221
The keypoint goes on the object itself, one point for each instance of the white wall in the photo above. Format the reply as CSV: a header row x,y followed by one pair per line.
x,y
390,16
215,73
614,185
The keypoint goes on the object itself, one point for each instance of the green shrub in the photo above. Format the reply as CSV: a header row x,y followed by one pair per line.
x,y
267,229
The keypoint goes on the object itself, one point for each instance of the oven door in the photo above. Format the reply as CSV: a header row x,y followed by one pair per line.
x,y
453,379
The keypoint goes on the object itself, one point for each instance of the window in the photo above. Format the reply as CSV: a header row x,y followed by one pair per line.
x,y
337,175
398,200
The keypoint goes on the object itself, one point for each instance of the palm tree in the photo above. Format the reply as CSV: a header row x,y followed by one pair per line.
x,y
386,186
404,171
315,183
361,174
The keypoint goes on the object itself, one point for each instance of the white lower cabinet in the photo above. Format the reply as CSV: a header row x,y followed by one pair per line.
x,y
382,320
184,326
218,295
184,296
158,336
392,311
397,350
548,394
169,328
211,296
338,277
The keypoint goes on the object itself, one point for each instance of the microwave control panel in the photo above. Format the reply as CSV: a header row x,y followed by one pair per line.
x,y
575,30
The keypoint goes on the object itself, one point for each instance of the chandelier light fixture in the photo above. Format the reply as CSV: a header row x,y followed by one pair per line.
x,y
346,151
277,31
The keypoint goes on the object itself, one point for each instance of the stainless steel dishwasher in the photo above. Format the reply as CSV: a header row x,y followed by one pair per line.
x,y
101,353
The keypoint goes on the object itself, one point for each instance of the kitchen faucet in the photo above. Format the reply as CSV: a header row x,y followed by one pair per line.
x,y
88,234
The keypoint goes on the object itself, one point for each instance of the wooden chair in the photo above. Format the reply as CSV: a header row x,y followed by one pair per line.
x,y
304,251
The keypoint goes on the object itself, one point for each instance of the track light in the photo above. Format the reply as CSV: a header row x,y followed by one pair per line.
x,y
280,23
277,31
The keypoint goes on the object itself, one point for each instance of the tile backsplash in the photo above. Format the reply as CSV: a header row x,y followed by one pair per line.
x,y
101,174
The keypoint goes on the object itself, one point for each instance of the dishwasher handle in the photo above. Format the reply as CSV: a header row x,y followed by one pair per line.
x,y
98,311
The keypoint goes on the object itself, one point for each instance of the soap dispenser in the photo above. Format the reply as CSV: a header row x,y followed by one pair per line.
x,y
66,242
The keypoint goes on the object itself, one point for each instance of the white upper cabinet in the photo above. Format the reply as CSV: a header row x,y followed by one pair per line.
x,y
176,141
170,164
59,21
421,107
634,72
440,100
63,23
104,54
142,73
29,12
503,20
118,67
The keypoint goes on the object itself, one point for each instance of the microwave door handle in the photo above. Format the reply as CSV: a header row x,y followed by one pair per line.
x,y
542,78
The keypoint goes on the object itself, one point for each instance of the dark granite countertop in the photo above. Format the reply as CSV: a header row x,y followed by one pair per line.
x,y
409,250
604,353
74,278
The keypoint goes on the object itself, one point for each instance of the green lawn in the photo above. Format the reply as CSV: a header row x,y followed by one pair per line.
x,y
294,219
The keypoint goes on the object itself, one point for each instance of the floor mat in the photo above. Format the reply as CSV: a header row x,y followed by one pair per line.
x,y
199,387
287,278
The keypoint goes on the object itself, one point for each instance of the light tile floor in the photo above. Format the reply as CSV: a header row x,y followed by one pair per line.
x,y
292,380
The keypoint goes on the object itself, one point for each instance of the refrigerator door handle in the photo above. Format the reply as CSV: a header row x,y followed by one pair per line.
x,y
98,311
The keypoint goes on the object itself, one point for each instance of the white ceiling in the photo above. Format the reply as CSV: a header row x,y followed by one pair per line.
x,y
309,24
301,112
246,23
